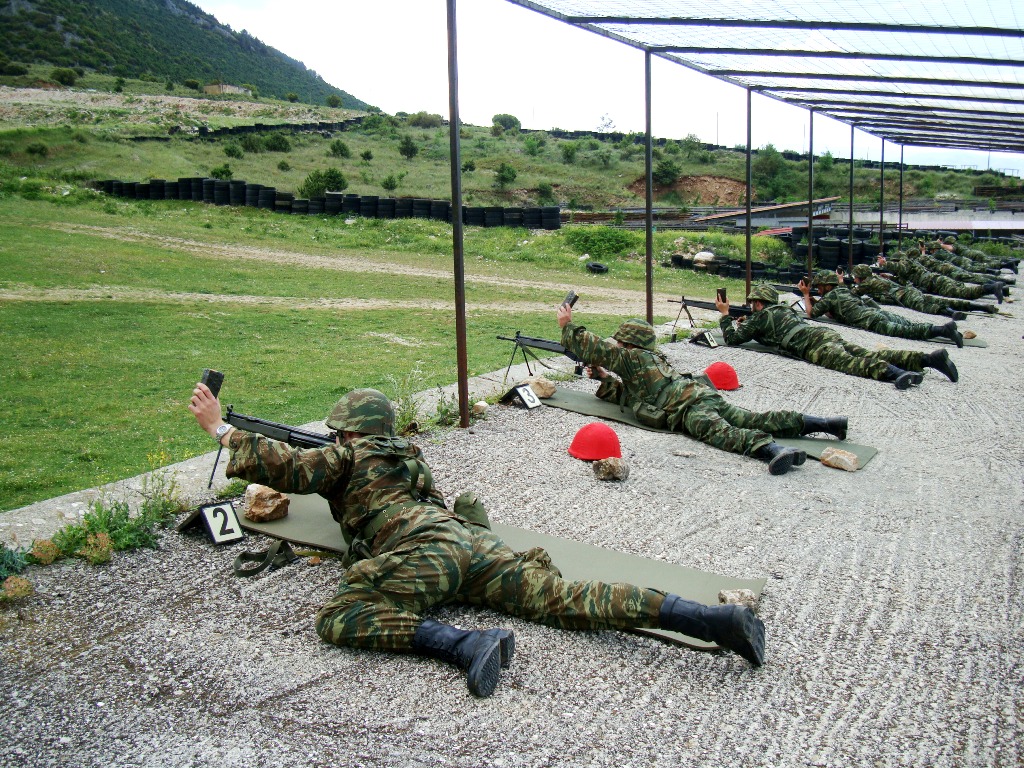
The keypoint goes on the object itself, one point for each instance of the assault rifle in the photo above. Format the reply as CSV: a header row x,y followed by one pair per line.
x,y
298,438
734,310
526,343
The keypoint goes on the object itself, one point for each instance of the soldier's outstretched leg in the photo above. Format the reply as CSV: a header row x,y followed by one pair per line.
x,y
996,289
734,627
955,313
939,360
780,459
482,654
831,425
978,306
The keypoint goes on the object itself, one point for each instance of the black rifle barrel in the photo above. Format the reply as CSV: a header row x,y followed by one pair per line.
x,y
734,311
299,438
535,343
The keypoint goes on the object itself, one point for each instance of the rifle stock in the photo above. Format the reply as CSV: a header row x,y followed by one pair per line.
x,y
298,438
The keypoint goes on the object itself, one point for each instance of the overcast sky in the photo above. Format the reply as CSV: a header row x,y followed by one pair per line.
x,y
393,54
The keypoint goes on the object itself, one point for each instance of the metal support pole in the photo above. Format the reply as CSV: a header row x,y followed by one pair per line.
x,y
649,159
457,231
881,202
851,200
899,235
750,189
810,199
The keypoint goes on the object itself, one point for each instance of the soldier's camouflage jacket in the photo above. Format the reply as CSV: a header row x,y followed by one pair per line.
x,y
359,478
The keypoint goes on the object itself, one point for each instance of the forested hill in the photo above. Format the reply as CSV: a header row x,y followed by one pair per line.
x,y
166,39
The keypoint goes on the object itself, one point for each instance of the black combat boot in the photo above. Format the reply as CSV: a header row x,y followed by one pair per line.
x,y
980,306
939,360
900,378
733,627
481,653
949,331
955,313
830,425
996,289
780,459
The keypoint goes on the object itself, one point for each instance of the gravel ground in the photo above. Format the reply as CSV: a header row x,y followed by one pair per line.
x,y
893,606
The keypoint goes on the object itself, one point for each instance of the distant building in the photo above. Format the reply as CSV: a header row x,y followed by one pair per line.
x,y
222,88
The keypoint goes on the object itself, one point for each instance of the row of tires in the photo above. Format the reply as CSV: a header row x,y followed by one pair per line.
x,y
241,193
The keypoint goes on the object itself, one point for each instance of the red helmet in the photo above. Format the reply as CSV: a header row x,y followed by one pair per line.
x,y
594,441
723,376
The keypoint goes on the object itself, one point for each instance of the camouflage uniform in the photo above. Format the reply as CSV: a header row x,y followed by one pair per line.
x,y
690,406
423,555
907,270
781,327
862,312
887,292
942,267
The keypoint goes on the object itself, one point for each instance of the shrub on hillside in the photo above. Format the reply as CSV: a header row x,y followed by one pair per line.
x,y
233,150
506,121
38,149
407,148
340,149
323,180
425,120
601,242
666,171
64,76
333,100
251,143
506,175
277,142
223,172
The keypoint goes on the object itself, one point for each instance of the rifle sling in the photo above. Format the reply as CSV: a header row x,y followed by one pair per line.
x,y
420,492
277,556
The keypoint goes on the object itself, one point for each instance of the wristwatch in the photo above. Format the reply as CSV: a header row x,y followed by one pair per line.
x,y
221,431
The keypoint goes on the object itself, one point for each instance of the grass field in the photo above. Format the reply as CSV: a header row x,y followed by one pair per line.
x,y
110,309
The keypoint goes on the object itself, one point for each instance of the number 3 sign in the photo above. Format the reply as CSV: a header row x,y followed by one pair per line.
x,y
220,522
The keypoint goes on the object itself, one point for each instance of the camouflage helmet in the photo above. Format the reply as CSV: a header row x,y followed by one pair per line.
x,y
861,271
637,332
366,411
949,240
763,292
825,277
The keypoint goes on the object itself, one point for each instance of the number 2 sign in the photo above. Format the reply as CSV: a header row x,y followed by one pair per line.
x,y
220,522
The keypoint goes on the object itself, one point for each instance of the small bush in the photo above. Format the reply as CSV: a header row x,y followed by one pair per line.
x,y
497,130
38,149
389,183
64,76
506,121
425,120
169,85
601,242
333,100
533,145
366,155
666,171
340,149
193,84
223,172
284,165
277,142
407,148
292,97
505,175
233,150
119,85
251,143
569,150
468,166
545,191
320,181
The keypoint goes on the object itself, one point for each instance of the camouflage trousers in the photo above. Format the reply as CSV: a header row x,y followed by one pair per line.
x,y
833,351
727,427
911,298
940,285
426,558
891,324
963,275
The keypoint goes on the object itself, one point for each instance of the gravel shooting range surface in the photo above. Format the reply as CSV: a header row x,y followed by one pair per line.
x,y
893,604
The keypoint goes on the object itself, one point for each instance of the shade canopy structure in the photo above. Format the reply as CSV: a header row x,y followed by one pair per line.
x,y
927,73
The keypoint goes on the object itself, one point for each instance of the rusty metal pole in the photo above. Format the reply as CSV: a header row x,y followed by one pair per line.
x,y
881,202
650,190
899,231
810,199
851,200
750,190
457,231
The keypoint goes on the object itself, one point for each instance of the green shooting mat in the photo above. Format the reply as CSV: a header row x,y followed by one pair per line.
x,y
309,523
589,405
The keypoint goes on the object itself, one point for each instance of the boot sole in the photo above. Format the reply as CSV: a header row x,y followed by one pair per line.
x,y
484,670
746,637
782,463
